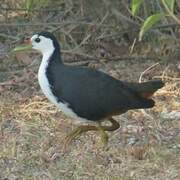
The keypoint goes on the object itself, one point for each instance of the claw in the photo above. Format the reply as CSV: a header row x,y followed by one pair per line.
x,y
78,131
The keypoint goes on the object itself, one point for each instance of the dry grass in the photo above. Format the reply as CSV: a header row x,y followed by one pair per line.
x,y
32,132
147,145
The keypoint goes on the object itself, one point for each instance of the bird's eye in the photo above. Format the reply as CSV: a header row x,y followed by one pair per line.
x,y
37,40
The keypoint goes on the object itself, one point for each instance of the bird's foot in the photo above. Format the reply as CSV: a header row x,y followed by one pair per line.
x,y
81,129
104,135
77,132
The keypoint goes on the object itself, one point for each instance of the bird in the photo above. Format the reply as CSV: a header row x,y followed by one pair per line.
x,y
85,93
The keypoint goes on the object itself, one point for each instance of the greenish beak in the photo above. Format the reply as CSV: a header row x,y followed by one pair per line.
x,y
26,46
22,48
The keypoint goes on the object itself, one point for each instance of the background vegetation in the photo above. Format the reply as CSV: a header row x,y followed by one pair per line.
x,y
130,40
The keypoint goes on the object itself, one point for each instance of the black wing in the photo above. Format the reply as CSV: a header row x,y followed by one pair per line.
x,y
94,95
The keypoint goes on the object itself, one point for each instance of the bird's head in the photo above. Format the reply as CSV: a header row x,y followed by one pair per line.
x,y
44,42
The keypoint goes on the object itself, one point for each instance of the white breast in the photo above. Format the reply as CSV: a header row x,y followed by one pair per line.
x,y
45,86
44,83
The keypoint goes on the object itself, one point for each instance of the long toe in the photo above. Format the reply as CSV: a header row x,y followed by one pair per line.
x,y
77,132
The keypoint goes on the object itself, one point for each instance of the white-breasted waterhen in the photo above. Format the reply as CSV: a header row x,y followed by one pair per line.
x,y
85,93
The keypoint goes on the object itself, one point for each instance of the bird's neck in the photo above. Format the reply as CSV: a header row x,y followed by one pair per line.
x,y
50,58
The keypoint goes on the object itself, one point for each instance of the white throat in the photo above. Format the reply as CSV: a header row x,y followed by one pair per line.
x,y
42,78
45,62
46,87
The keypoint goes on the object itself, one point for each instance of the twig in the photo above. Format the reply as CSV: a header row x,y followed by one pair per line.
x,y
164,72
126,19
116,58
167,77
170,12
140,81
132,47
8,83
83,41
89,35
9,36
136,29
31,10
146,70
54,24
167,25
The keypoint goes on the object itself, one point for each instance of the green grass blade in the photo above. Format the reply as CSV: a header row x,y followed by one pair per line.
x,y
135,4
170,4
148,23
29,4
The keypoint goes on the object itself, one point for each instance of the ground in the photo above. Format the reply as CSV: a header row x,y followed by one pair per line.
x,y
101,35
32,130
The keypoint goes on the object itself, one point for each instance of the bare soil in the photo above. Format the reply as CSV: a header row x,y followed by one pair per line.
x,y
32,130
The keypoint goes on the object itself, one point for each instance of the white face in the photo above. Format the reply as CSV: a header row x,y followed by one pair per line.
x,y
42,44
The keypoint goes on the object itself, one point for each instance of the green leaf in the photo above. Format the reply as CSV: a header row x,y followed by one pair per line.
x,y
148,23
170,4
29,4
135,4
22,48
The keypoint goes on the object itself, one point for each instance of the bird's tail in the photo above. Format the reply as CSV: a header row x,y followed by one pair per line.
x,y
147,89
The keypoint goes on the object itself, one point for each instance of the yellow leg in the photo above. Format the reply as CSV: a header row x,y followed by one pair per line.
x,y
76,132
104,137
114,125
102,129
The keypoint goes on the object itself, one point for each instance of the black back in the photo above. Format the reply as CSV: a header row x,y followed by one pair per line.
x,y
91,94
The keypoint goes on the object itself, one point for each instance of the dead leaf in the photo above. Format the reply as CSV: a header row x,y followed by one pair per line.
x,y
23,58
